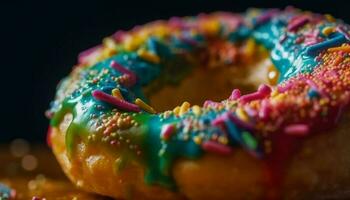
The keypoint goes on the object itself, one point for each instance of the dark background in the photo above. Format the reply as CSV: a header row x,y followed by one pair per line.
x,y
40,41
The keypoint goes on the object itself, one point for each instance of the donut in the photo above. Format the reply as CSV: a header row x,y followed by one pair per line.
x,y
215,106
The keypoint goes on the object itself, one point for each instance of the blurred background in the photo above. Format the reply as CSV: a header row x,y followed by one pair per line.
x,y
40,42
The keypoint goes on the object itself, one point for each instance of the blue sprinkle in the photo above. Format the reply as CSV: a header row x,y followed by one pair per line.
x,y
313,94
157,47
241,34
317,48
233,131
206,121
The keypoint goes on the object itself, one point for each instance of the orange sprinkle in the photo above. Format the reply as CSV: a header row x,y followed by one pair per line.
x,y
337,60
342,48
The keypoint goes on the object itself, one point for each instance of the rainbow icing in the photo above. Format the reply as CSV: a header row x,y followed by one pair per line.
x,y
104,91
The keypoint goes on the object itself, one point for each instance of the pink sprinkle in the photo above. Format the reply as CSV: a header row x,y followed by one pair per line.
x,y
215,147
13,194
83,55
334,73
219,120
264,89
126,71
265,110
251,97
266,16
343,31
297,129
309,42
250,111
119,103
176,22
120,68
210,103
239,122
167,131
113,142
297,22
236,93
49,114
119,36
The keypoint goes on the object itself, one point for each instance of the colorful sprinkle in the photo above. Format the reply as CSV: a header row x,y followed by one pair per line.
x,y
317,48
167,131
327,30
148,56
236,94
249,140
116,93
297,129
145,106
130,74
196,110
342,48
120,104
297,23
215,147
184,108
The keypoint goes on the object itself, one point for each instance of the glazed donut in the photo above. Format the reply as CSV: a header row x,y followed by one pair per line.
x,y
119,127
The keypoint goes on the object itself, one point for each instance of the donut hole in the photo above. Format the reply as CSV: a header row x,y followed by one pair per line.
x,y
215,80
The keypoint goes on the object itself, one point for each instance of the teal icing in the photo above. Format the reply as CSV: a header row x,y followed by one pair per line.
x,y
159,155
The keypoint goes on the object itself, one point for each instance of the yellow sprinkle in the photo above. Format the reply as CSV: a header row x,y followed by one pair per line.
x,y
148,56
327,30
176,110
330,18
197,139
323,102
145,106
161,31
196,110
184,108
211,26
274,93
279,97
241,114
223,140
106,53
109,43
131,43
342,48
116,93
